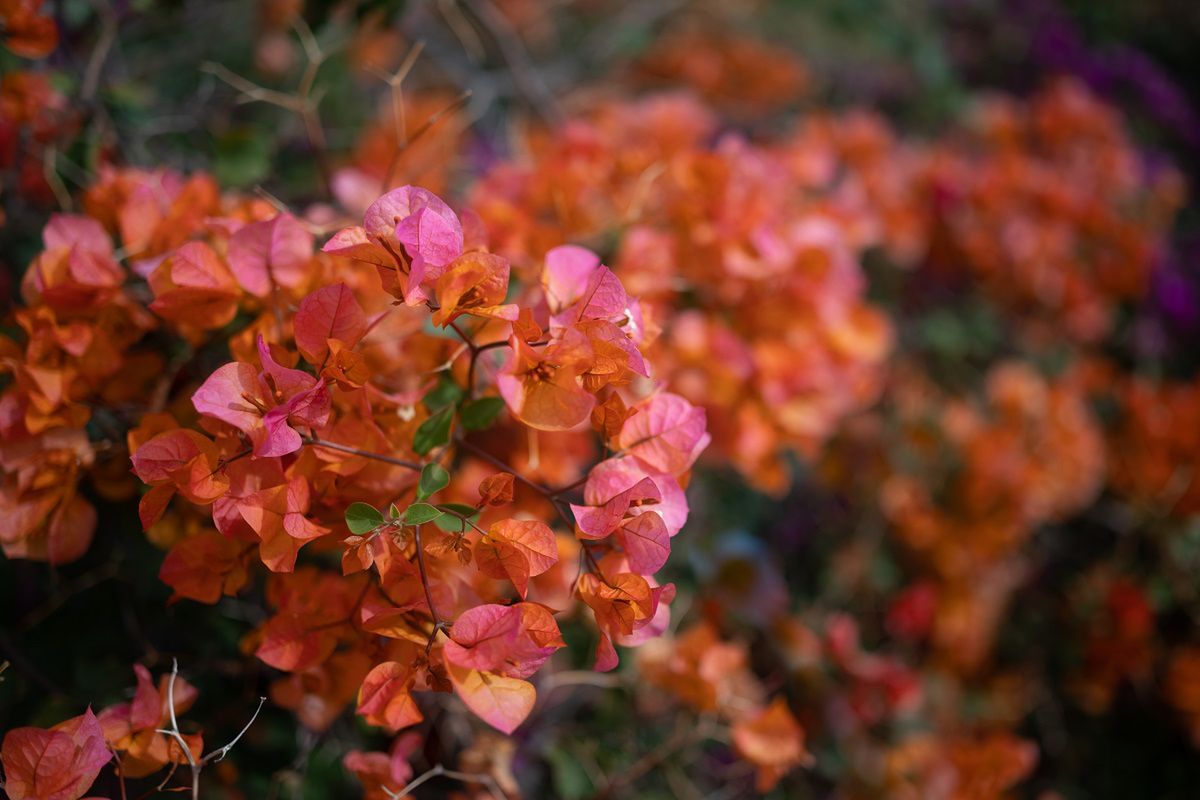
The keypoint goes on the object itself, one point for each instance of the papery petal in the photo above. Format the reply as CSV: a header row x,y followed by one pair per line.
x,y
386,699
501,702
667,434
270,252
331,312
646,543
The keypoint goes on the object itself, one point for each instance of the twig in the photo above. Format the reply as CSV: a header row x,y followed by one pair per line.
x,y
304,103
463,518
578,677
549,494
434,119
437,623
462,29
216,755
498,464
68,590
95,65
162,784
395,83
438,771
120,771
685,733
220,753
345,448
50,172
527,79
252,90
174,733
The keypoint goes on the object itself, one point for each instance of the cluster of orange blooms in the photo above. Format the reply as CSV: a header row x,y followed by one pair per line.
x,y
757,285
1048,205
249,462
749,253
1155,446
966,483
81,326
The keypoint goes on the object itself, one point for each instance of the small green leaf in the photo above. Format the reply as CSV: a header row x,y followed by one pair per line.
x,y
242,157
393,512
460,508
362,518
433,480
434,431
452,524
420,513
480,414
571,782
446,393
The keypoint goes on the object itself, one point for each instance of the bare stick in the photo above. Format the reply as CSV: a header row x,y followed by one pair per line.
x,y
512,49
437,623
345,448
50,173
220,753
174,733
685,734
438,771
95,65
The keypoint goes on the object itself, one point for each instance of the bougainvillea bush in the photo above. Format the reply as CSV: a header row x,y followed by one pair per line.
x,y
496,399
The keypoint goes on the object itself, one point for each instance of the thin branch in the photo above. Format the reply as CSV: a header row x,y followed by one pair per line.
x,y
498,464
174,733
549,494
66,591
437,623
95,65
685,733
163,783
395,83
462,518
526,77
50,172
434,119
252,90
571,486
579,677
345,448
462,29
220,753
439,771
120,772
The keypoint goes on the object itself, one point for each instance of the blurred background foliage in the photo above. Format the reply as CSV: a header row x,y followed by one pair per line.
x,y
224,86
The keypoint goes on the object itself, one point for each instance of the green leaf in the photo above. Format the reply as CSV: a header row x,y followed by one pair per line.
x,y
362,518
480,414
452,524
571,781
446,393
433,480
393,512
242,158
434,431
420,513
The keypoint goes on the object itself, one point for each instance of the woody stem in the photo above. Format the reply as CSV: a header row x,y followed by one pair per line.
x,y
345,448
437,623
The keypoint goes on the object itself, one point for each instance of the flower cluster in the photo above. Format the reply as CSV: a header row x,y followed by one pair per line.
x,y
339,410
64,415
1049,206
425,458
755,281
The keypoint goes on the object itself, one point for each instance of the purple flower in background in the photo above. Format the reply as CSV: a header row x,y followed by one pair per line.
x,y
1056,44
1175,293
